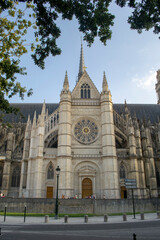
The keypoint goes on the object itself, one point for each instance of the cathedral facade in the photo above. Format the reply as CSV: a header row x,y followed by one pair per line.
x,y
96,144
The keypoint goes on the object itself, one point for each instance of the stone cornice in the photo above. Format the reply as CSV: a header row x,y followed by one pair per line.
x,y
85,102
86,156
50,156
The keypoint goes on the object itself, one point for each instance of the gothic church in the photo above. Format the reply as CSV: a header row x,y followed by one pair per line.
x,y
96,144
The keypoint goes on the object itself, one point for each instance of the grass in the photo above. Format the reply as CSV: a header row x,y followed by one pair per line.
x,y
62,215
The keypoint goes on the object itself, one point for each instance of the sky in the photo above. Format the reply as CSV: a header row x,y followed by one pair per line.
x,y
130,61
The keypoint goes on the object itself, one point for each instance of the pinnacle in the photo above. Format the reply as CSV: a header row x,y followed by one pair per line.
x,y
66,83
81,63
105,84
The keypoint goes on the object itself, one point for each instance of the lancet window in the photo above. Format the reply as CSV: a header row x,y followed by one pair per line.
x,y
50,172
16,177
122,172
85,91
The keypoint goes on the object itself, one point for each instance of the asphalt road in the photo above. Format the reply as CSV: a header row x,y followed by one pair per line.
x,y
149,230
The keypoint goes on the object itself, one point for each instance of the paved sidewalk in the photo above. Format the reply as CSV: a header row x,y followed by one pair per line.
x,y
76,220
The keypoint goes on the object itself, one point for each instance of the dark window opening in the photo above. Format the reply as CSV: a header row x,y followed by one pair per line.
x,y
122,172
85,91
50,172
16,177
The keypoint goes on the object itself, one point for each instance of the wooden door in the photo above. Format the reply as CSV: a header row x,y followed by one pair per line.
x,y
49,192
123,193
86,187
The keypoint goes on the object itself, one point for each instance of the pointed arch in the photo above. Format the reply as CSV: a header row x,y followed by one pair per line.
x,y
16,177
50,171
122,171
85,91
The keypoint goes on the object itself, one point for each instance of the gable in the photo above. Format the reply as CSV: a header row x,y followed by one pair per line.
x,y
85,79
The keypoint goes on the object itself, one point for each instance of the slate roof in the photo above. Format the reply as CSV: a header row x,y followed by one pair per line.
x,y
143,111
147,111
28,108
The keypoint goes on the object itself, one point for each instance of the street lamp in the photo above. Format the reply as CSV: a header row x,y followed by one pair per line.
x,y
56,207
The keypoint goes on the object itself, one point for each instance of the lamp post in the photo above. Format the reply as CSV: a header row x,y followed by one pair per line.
x,y
56,207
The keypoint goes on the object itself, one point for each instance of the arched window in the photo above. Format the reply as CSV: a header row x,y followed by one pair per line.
x,y
122,172
85,91
50,172
16,177
1,175
158,177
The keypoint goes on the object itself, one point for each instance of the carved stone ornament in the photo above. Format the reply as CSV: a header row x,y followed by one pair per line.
x,y
86,131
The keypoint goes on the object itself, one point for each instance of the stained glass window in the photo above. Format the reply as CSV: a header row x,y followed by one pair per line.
x,y
16,177
85,91
50,172
122,172
86,131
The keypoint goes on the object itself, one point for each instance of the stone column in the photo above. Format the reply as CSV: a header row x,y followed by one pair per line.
x,y
141,171
153,182
7,164
32,155
64,142
23,181
38,165
145,156
133,174
109,174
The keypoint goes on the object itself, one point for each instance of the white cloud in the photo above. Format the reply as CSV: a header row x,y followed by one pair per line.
x,y
146,82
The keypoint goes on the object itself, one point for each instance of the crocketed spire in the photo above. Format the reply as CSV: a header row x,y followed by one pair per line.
x,y
82,67
66,83
105,84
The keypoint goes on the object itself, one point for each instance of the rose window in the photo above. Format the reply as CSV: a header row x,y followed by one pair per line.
x,y
86,131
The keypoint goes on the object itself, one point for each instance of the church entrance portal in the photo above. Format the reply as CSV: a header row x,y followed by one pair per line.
x,y
86,187
123,193
49,192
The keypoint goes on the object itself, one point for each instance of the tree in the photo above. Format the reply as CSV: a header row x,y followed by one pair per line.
x,y
146,14
12,33
94,20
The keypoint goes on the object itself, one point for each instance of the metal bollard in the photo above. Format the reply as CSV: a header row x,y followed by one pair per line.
x,y
66,218
25,213
134,236
158,215
105,218
46,219
86,218
142,216
5,210
124,217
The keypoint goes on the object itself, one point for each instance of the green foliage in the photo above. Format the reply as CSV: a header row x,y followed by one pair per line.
x,y
12,46
146,14
94,20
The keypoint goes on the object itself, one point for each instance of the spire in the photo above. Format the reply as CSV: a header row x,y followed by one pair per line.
x,y
81,63
47,113
28,123
34,120
130,122
126,107
66,83
43,108
105,84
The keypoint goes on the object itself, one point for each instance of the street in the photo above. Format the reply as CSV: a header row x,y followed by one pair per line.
x,y
149,230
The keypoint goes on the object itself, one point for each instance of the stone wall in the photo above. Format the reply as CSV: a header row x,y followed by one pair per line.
x,y
86,206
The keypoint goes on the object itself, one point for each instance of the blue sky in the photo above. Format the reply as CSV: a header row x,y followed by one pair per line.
x,y
130,61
